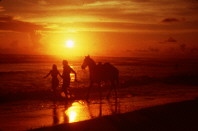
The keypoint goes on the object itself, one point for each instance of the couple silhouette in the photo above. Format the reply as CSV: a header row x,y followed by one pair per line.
x,y
65,76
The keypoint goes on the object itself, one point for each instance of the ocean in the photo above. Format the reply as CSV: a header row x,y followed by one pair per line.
x,y
25,96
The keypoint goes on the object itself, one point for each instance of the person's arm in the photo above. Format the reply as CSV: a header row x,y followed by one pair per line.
x,y
47,75
60,74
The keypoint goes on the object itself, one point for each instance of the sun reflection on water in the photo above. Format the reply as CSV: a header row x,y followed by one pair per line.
x,y
71,113
77,112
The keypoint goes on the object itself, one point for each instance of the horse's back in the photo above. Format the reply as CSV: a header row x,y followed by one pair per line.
x,y
108,72
111,68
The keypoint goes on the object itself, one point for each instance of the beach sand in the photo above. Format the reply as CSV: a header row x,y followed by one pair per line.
x,y
179,116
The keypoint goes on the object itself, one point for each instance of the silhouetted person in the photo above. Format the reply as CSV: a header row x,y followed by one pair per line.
x,y
66,77
54,74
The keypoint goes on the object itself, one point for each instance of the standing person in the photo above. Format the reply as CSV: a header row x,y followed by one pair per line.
x,y
55,82
66,77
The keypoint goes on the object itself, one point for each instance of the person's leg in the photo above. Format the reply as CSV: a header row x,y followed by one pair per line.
x,y
54,88
65,87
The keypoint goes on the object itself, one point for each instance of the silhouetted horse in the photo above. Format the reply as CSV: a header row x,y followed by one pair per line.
x,y
101,73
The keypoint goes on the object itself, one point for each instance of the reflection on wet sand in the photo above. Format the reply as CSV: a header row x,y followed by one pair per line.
x,y
114,105
58,115
80,110
55,115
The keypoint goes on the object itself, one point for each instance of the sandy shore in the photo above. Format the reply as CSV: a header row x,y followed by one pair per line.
x,y
180,116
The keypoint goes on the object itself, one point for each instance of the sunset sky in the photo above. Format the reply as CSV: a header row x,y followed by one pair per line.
x,y
100,27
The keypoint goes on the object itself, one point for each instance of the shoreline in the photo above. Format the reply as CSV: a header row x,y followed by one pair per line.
x,y
149,90
176,116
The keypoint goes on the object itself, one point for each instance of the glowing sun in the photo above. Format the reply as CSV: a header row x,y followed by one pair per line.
x,y
69,43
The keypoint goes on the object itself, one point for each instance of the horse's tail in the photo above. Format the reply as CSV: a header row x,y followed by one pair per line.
x,y
117,82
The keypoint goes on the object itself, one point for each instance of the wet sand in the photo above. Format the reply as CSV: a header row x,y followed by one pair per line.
x,y
179,116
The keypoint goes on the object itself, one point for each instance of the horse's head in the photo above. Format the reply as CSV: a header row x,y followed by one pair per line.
x,y
85,62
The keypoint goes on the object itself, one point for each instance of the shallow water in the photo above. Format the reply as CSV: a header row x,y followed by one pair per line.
x,y
25,73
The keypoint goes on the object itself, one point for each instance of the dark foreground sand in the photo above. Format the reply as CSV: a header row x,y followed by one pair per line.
x,y
180,116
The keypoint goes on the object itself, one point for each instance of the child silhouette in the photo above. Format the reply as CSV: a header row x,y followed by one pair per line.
x,y
55,81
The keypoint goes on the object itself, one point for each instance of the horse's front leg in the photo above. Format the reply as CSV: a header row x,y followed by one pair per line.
x,y
89,89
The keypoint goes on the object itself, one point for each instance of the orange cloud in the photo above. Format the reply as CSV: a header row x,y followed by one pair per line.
x,y
170,20
10,24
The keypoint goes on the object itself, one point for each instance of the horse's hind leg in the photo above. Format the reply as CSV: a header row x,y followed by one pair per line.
x,y
100,90
113,86
109,93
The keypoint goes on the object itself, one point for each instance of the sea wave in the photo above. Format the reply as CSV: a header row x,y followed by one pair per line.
x,y
130,82
182,79
14,72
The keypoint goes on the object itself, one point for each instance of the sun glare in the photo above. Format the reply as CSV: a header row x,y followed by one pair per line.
x,y
69,43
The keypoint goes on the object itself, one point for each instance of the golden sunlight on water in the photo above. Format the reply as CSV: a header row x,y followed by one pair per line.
x,y
72,76
77,112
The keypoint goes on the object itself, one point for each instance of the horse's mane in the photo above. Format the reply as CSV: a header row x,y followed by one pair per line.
x,y
92,61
